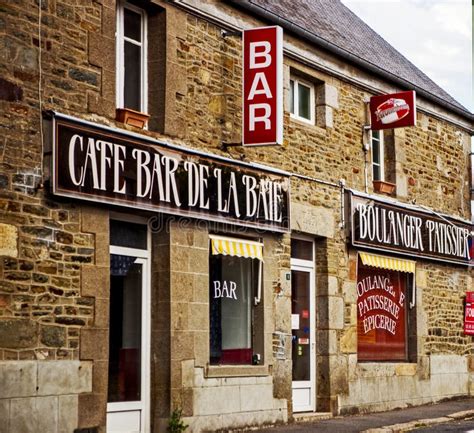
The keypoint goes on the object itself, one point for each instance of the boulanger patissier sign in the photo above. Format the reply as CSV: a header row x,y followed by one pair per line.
x,y
101,164
393,111
383,226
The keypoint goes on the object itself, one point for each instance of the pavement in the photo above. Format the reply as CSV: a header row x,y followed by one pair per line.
x,y
395,421
456,426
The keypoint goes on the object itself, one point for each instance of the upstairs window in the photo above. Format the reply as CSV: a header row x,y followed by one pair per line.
x,y
378,152
131,57
302,100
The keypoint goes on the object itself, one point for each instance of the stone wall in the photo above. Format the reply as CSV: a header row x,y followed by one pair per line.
x,y
31,389
384,386
54,265
443,365
434,152
212,397
54,287
330,151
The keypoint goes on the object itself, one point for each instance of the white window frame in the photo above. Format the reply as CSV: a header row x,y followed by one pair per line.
x,y
120,55
295,114
381,163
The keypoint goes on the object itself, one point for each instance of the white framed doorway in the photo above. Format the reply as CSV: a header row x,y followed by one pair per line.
x,y
303,325
128,404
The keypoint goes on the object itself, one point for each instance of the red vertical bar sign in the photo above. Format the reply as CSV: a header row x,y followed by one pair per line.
x,y
262,86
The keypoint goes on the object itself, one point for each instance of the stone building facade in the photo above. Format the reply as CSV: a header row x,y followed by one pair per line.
x,y
57,268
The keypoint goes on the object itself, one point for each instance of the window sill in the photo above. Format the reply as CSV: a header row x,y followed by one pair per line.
x,y
236,370
383,187
132,117
386,368
303,123
302,119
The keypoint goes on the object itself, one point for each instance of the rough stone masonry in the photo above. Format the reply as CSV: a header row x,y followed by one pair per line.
x,y
54,264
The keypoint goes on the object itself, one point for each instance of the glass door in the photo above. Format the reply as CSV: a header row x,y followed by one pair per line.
x,y
129,340
303,334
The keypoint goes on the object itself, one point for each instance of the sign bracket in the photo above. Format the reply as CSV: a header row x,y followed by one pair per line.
x,y
230,33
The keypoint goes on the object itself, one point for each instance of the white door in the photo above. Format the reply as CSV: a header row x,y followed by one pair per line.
x,y
303,335
129,341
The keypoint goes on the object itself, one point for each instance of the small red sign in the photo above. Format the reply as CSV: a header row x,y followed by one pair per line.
x,y
393,111
305,314
262,86
469,314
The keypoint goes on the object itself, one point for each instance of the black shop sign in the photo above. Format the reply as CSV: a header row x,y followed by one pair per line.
x,y
101,164
406,230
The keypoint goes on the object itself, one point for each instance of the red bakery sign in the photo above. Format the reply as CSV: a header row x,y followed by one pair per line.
x,y
262,86
469,314
393,111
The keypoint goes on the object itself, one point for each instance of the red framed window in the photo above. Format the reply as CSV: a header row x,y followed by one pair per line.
x,y
381,314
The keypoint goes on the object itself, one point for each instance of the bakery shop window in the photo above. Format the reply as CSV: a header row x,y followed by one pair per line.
x,y
386,319
235,295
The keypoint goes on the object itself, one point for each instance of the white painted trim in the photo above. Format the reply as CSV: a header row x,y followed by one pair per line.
x,y
309,264
297,81
134,252
146,343
311,384
144,101
381,163
120,61
279,85
303,262
124,406
143,258
310,267
119,73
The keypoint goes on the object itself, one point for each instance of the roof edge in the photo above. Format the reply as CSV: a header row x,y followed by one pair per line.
x,y
311,37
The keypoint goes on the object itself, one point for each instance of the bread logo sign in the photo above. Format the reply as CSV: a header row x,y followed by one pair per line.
x,y
393,111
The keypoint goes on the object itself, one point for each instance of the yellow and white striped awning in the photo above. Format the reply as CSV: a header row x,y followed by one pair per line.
x,y
384,262
236,247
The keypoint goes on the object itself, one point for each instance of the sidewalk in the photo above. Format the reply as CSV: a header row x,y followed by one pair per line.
x,y
395,421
